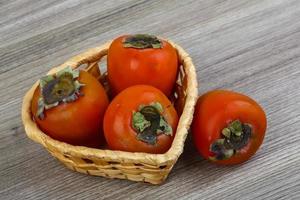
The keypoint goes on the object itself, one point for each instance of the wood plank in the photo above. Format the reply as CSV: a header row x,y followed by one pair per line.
x,y
251,47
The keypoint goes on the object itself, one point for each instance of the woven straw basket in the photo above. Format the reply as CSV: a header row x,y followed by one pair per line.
x,y
152,168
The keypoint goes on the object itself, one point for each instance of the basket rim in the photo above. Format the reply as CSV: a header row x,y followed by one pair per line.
x,y
170,156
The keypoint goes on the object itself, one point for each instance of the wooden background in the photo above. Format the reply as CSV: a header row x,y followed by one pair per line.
x,y
250,46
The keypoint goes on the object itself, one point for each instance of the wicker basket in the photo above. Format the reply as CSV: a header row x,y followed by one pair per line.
x,y
152,168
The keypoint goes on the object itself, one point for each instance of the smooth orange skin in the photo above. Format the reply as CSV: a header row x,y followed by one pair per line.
x,y
130,66
78,122
214,110
118,130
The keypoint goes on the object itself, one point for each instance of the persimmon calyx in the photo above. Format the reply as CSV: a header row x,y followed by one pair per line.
x,y
235,136
60,87
148,122
142,41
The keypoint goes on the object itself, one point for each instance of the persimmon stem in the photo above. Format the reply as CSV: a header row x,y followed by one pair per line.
x,y
235,137
148,122
61,87
142,41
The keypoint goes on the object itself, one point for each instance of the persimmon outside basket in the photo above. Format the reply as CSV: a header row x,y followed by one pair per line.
x,y
151,168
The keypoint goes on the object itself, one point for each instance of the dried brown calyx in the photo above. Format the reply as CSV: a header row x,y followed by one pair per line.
x,y
142,41
148,122
60,87
235,136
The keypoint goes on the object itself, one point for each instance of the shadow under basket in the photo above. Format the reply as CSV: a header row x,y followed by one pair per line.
x,y
151,168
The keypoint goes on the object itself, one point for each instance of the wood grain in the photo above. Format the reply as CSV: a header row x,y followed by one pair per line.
x,y
251,47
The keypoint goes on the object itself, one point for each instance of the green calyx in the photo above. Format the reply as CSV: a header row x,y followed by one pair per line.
x,y
149,123
142,41
57,88
235,137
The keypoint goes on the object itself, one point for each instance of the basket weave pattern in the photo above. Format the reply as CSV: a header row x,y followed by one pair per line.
x,y
152,168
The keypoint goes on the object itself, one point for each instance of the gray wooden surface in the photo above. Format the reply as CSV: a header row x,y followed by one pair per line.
x,y
250,46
